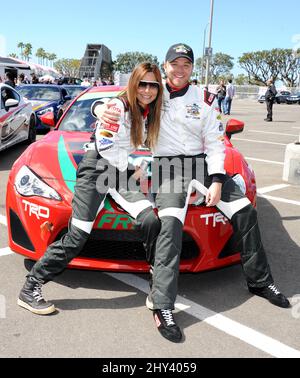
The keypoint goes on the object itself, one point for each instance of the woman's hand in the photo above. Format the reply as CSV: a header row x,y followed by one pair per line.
x,y
108,116
214,194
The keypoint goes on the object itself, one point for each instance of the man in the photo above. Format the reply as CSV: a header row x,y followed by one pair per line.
x,y
191,133
270,99
230,93
10,79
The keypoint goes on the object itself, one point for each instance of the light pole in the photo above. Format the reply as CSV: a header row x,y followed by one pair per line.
x,y
203,54
209,43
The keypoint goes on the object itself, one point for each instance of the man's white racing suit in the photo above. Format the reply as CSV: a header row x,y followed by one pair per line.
x,y
191,152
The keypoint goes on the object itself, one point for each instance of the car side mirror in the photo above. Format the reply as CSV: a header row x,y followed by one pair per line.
x,y
11,103
234,126
48,119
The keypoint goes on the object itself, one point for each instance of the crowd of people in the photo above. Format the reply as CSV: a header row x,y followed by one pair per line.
x,y
21,79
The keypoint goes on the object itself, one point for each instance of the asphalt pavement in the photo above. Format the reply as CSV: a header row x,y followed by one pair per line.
x,y
103,315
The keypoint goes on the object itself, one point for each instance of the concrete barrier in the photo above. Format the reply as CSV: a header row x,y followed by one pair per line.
x,y
291,170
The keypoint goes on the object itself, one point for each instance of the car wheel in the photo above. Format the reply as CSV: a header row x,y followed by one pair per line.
x,y
32,131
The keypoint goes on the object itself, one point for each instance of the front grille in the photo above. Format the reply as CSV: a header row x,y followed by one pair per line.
x,y
126,245
18,233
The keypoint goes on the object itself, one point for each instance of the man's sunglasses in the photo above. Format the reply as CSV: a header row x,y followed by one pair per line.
x,y
152,84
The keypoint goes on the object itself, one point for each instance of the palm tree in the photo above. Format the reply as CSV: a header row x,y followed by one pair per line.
x,y
40,53
27,51
13,55
21,46
51,58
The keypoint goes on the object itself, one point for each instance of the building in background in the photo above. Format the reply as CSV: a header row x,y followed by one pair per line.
x,y
96,63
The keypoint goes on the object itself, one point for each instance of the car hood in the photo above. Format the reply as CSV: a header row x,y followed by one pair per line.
x,y
39,105
57,155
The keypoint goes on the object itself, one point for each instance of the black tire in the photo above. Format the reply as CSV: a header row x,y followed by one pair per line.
x,y
32,131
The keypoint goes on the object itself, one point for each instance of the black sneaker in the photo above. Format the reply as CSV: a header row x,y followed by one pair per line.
x,y
268,120
32,299
272,294
166,325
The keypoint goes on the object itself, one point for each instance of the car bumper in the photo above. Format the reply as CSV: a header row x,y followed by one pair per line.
x,y
206,241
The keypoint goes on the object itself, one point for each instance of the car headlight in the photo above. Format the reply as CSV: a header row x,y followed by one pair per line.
x,y
44,111
240,182
29,184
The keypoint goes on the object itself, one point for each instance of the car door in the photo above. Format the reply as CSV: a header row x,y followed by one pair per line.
x,y
12,119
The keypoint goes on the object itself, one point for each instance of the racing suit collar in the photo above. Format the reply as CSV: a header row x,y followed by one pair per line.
x,y
177,92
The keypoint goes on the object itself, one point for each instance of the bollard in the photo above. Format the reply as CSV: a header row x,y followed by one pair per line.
x,y
291,170
2,307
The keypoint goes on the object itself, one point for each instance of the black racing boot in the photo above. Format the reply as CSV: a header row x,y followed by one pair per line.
x,y
165,323
31,298
272,294
167,326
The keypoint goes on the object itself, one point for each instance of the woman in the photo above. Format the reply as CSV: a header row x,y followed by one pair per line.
x,y
139,107
221,94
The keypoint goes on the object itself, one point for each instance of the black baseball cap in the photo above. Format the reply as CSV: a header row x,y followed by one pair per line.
x,y
180,50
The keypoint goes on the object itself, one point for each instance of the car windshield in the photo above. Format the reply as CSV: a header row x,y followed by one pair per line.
x,y
79,116
46,93
74,91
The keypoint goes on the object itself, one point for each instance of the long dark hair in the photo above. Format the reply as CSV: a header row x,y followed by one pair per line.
x,y
130,95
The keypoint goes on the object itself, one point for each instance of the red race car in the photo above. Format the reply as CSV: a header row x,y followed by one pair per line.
x,y
41,186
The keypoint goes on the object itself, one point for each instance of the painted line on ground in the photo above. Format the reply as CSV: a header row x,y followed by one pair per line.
x,y
5,251
278,199
272,188
3,220
265,161
220,322
271,133
259,141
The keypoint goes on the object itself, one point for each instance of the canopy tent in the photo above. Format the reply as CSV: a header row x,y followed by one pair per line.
x,y
39,69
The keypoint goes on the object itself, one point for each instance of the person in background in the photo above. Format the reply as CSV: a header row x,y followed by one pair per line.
x,y
22,80
270,99
10,79
34,79
230,93
86,82
194,82
221,94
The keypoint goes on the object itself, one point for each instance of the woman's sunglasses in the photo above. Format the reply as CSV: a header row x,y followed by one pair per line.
x,y
152,84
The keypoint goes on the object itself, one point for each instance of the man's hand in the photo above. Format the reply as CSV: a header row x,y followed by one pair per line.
x,y
214,194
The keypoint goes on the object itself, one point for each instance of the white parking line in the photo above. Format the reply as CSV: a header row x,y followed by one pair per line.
x,y
221,322
259,141
269,189
271,132
265,161
3,220
5,251
278,199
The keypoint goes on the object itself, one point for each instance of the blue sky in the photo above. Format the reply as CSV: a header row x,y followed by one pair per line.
x,y
148,26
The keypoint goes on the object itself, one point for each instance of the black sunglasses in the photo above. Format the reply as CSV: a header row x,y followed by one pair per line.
x,y
152,84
